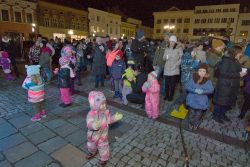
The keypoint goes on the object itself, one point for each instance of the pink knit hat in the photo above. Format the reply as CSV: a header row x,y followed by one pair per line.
x,y
95,99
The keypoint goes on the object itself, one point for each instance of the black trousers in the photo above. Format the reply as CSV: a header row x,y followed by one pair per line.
x,y
246,104
136,98
170,82
13,62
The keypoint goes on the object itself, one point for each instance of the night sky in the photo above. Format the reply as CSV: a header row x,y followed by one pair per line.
x,y
143,9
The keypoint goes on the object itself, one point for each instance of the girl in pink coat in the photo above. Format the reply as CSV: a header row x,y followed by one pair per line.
x,y
152,89
98,120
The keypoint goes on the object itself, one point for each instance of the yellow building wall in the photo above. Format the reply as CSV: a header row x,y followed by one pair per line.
x,y
128,30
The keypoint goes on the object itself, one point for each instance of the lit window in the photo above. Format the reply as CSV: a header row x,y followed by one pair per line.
x,y
97,29
243,33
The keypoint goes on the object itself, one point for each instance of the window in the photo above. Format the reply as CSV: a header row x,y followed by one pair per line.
x,y
111,30
179,20
197,21
243,33
231,20
158,31
97,29
29,18
185,30
158,21
232,10
203,21
165,21
61,23
204,11
172,20
198,11
187,20
218,10
225,10
54,22
210,20
78,25
92,28
223,20
18,17
116,31
178,31
245,22
46,22
98,18
211,11
5,15
217,20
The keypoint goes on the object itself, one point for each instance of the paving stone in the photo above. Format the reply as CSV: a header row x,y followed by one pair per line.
x,y
20,122
38,159
55,123
20,151
66,130
1,157
33,128
161,162
41,136
52,144
2,121
11,141
77,138
6,130
146,161
54,165
69,156
5,164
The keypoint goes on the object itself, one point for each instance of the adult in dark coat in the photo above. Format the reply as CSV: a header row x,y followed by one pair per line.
x,y
99,63
137,96
6,44
229,73
139,47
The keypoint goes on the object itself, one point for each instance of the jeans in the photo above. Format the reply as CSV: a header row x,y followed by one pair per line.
x,y
118,85
195,116
48,73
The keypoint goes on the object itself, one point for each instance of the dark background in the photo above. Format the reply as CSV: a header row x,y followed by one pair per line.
x,y
143,9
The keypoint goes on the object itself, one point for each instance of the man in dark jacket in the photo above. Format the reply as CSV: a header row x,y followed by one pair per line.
x,y
137,96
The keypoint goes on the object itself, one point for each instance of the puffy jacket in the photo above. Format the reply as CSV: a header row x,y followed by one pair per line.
x,y
140,79
63,78
117,69
159,53
128,74
228,83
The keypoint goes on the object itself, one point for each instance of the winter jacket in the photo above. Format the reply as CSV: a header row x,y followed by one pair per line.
x,y
99,61
117,69
128,74
63,78
228,83
140,79
110,56
201,56
138,49
186,67
34,54
45,57
198,101
35,92
172,58
158,59
152,98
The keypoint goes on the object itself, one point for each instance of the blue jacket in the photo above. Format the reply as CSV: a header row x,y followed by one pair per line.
x,y
117,69
247,51
198,101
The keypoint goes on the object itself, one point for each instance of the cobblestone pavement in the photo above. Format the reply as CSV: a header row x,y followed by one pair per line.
x,y
59,139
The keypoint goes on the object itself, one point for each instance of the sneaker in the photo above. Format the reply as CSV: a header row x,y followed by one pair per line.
x,y
43,114
36,117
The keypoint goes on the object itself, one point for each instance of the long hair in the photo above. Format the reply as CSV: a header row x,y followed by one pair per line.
x,y
36,79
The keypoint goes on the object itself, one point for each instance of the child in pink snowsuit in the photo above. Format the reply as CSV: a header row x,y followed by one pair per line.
x,y
98,120
152,89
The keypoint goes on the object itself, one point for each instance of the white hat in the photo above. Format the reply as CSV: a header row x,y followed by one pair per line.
x,y
154,74
173,38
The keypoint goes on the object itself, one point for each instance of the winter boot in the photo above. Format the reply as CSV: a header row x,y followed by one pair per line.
x,y
217,118
116,95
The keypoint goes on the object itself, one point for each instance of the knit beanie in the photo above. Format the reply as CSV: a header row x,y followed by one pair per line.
x,y
32,70
154,74
217,43
66,50
139,34
64,60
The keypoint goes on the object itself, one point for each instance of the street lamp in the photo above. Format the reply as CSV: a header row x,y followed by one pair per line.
x,y
33,27
70,32
169,27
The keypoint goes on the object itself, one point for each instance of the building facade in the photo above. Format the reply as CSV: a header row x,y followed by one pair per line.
x,y
148,31
173,20
243,27
213,20
128,30
134,21
216,20
18,19
103,23
61,21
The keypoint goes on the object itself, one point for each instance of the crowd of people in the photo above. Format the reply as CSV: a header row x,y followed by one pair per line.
x,y
209,72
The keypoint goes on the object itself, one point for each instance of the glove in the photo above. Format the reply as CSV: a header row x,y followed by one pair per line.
x,y
97,125
198,91
118,116
147,85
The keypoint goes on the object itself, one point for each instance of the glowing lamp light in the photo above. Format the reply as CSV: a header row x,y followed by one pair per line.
x,y
33,24
33,29
70,32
